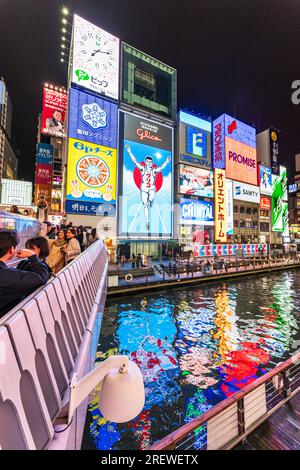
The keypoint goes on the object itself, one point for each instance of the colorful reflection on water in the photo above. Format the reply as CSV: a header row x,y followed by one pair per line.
x,y
194,347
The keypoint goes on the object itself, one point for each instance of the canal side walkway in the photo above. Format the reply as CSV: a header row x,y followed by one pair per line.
x,y
121,283
280,432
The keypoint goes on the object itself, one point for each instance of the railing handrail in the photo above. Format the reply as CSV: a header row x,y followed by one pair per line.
x,y
181,432
39,289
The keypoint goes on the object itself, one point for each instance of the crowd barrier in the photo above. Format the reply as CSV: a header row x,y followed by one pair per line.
x,y
43,341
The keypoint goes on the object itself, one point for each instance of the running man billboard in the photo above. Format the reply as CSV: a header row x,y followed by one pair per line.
x,y
145,178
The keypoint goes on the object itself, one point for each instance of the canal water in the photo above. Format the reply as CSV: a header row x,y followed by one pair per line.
x,y
195,346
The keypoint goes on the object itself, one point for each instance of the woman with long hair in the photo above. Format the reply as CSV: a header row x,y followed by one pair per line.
x,y
56,259
72,250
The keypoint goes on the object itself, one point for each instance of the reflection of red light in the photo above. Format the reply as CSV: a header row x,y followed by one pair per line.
x,y
137,176
242,366
141,428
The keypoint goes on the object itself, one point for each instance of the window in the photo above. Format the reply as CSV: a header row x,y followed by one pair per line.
x,y
242,210
235,209
235,223
264,227
248,210
242,223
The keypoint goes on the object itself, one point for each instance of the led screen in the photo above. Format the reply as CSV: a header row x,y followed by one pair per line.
x,y
91,173
196,181
54,112
93,119
240,162
145,178
265,180
95,58
193,211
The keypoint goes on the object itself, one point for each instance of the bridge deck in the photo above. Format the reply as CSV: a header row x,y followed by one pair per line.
x,y
280,432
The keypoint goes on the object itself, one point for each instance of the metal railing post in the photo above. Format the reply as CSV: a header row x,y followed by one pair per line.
x,y
241,415
286,384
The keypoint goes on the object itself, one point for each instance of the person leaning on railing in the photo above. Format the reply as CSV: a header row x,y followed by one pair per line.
x,y
16,284
56,259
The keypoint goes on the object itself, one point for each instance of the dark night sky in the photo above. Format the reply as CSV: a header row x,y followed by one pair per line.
x,y
228,53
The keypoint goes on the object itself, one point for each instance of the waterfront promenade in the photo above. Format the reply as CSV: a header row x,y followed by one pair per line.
x,y
166,274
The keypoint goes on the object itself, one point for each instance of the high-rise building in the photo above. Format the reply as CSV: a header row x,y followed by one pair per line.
x,y
8,158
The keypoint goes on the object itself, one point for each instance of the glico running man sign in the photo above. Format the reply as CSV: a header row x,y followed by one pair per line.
x,y
145,178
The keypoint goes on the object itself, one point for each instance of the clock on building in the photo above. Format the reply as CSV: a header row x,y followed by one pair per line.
x,y
95,58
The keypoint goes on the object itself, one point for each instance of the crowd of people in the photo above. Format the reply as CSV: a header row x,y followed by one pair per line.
x,y
43,255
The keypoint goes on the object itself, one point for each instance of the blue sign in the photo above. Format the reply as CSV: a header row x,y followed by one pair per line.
x,y
93,119
219,143
90,208
44,153
195,121
196,142
194,211
240,131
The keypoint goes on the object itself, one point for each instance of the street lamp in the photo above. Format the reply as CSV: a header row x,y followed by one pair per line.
x,y
65,11
122,395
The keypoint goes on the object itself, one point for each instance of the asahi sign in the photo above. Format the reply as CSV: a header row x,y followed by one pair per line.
x,y
246,192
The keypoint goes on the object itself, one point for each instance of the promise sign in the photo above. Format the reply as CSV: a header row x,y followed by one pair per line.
x,y
220,205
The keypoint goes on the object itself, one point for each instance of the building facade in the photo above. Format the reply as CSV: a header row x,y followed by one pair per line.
x,y
8,157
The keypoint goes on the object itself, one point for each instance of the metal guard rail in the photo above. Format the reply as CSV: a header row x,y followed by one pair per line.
x,y
233,419
44,340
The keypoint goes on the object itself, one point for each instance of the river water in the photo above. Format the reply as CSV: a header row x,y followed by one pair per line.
x,y
195,346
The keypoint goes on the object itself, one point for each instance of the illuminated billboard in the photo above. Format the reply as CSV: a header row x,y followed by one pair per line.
x,y
240,162
95,63
284,182
265,180
196,181
55,102
277,204
91,173
43,174
196,212
219,142
293,188
194,140
148,83
265,203
229,206
239,131
220,206
246,192
145,178
274,150
44,154
92,119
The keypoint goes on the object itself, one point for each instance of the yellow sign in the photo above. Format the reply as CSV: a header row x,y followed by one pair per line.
x,y
91,172
220,206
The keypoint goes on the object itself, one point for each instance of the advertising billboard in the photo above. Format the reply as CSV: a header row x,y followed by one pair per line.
x,y
284,182
91,173
44,154
293,188
148,83
220,206
246,192
229,250
240,162
219,142
265,180
92,119
43,174
196,212
95,63
195,140
239,131
265,203
145,178
277,206
54,111
196,181
229,206
274,150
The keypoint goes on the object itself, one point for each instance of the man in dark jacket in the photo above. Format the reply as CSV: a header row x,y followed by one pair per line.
x,y
16,284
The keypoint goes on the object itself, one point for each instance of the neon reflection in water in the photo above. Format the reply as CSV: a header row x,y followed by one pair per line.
x,y
194,349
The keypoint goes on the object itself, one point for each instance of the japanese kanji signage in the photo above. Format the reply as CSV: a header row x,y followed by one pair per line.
x,y
54,111
220,206
91,173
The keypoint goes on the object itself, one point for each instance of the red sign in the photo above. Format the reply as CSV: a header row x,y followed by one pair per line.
x,y
54,111
43,174
265,203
